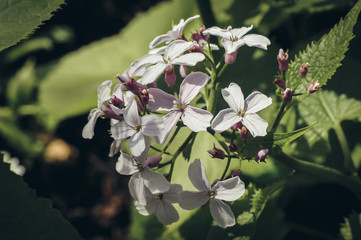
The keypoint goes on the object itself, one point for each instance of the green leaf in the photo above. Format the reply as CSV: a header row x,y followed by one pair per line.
x,y
323,56
23,215
245,218
19,18
71,88
351,228
329,110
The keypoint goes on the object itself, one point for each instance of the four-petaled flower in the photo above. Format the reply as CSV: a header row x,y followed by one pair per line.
x,y
138,129
195,118
228,190
232,39
242,110
174,34
161,204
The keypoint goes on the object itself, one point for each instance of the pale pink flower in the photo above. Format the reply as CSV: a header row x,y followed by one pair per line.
x,y
195,118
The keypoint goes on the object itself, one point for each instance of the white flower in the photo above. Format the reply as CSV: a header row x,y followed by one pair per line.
x,y
142,175
175,33
164,63
161,204
195,118
228,190
232,39
138,129
242,110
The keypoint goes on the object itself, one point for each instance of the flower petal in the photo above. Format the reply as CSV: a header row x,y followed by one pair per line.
x,y
196,119
224,120
122,130
160,100
221,213
256,125
155,182
198,176
146,61
232,46
190,200
240,32
234,97
256,101
152,125
176,48
126,165
216,31
152,73
114,147
136,188
131,114
166,213
104,92
182,24
169,120
172,195
230,189
137,144
256,40
189,59
191,86
88,130
159,39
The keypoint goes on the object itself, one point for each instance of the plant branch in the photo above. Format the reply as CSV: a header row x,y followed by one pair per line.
x,y
345,149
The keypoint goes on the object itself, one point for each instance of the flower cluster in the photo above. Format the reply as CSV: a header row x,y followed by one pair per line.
x,y
139,111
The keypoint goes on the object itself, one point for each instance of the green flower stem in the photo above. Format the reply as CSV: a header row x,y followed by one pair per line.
x,y
176,154
158,150
171,139
226,168
330,174
279,117
222,70
350,166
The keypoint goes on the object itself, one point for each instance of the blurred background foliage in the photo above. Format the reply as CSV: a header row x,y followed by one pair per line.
x,y
48,85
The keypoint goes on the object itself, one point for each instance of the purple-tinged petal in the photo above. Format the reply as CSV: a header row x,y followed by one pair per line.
x,y
230,189
159,39
169,120
104,92
152,125
240,32
221,213
189,59
225,119
136,188
256,125
166,213
176,48
155,182
256,101
126,165
137,144
234,97
216,31
196,119
255,40
152,73
88,130
148,60
160,100
122,130
191,86
172,195
198,176
190,200
131,116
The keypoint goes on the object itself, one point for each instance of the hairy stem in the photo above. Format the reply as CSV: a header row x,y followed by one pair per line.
x,y
345,149
279,117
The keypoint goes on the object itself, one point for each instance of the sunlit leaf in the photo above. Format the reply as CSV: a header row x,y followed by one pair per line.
x,y
351,228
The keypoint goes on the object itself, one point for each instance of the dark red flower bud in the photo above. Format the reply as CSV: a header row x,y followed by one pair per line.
x,y
261,155
280,82
236,173
233,147
153,161
170,78
237,126
116,102
304,69
282,59
313,87
245,133
287,95
217,153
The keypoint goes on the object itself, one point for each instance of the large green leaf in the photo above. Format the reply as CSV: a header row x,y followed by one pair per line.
x,y
70,89
23,215
323,56
19,18
329,110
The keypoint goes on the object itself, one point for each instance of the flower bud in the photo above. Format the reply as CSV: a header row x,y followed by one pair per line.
x,y
287,95
230,57
282,59
140,106
144,96
280,82
304,69
245,133
313,87
116,102
233,147
237,126
170,78
236,173
216,152
261,155
183,71
153,161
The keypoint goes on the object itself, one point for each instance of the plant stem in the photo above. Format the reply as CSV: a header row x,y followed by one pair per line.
x,y
171,139
330,174
345,149
176,154
158,150
222,70
226,168
279,117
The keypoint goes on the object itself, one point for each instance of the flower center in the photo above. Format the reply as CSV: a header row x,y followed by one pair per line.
x,y
140,166
137,127
241,113
211,194
178,105
233,38
159,196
